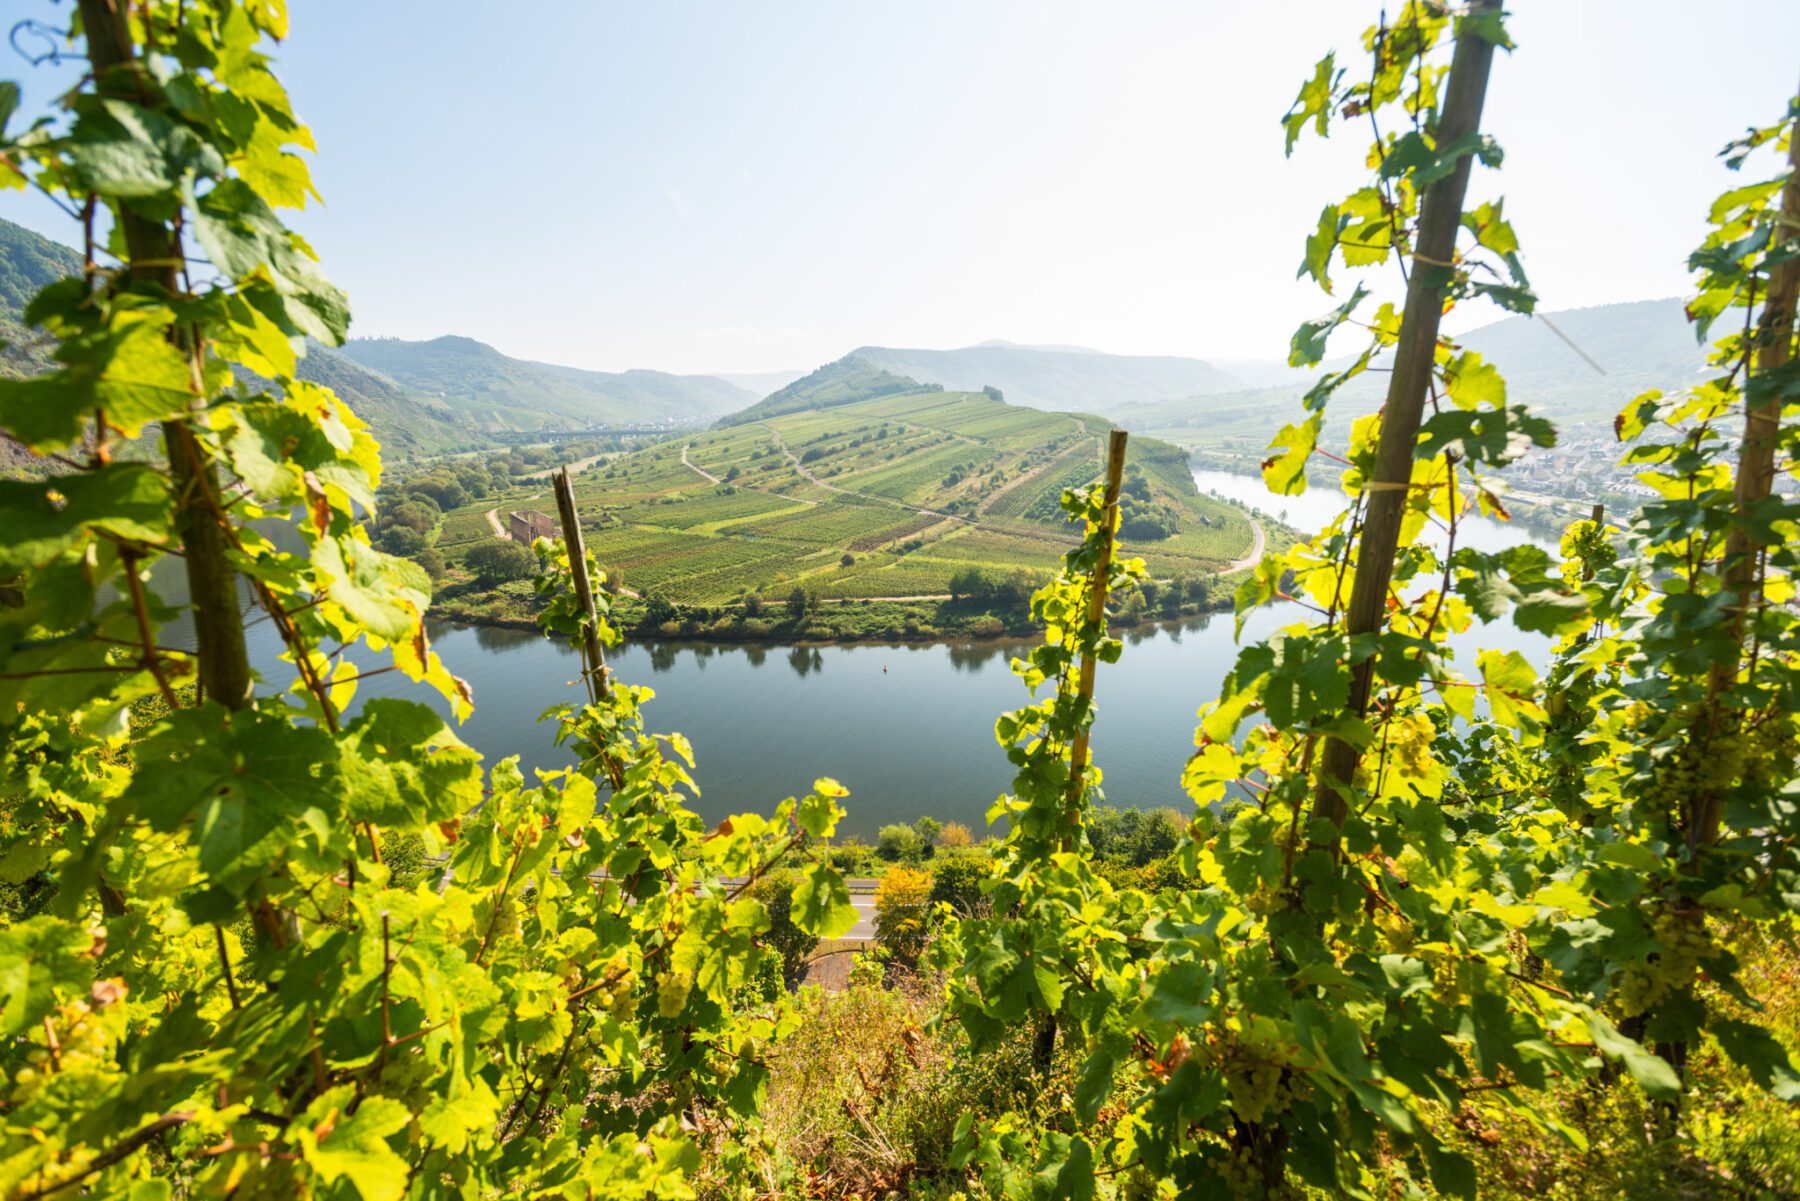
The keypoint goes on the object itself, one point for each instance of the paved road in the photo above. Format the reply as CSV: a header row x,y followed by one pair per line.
x,y
1256,549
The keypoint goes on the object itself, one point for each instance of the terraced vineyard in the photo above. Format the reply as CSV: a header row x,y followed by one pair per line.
x,y
884,497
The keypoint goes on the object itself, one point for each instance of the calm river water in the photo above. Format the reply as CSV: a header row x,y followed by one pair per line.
x,y
908,729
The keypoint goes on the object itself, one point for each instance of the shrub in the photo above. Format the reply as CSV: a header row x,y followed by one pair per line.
x,y
928,828
402,540
898,843
431,561
955,835
497,562
956,881
903,913
987,626
776,892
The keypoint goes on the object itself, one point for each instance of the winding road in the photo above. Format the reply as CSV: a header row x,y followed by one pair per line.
x,y
1256,549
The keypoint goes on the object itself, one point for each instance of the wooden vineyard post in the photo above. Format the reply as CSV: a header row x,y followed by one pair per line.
x,y
1440,216
1773,348
1096,611
592,657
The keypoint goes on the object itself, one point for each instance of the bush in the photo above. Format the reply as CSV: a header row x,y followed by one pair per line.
x,y
987,626
956,881
402,540
928,828
903,913
496,562
776,892
897,843
431,561
955,835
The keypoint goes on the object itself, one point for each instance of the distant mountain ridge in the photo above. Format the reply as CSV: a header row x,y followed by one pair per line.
x,y
1055,377
1634,346
497,392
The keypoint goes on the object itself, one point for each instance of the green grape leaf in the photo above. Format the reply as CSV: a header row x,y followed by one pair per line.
x,y
1414,153
244,783
128,368
38,957
1492,436
245,239
1758,1052
1181,994
117,148
1652,1072
822,904
1285,473
1093,1084
342,1145
1308,344
403,766
44,517
384,592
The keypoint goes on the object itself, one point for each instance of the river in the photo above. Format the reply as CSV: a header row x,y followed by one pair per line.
x,y
908,729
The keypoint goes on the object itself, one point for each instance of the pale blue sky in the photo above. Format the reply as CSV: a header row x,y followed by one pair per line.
x,y
747,187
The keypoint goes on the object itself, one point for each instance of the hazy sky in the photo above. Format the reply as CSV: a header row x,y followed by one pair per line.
x,y
747,187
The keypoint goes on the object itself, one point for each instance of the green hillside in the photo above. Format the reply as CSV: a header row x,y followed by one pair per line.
x,y
28,261
890,496
497,392
843,382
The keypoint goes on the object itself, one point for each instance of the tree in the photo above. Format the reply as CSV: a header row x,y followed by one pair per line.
x,y
499,560
899,843
798,603
903,913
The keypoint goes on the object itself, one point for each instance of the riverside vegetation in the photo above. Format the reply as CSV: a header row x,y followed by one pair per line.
x,y
1506,933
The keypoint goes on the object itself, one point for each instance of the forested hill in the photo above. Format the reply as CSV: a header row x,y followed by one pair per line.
x,y
498,392
1054,377
28,261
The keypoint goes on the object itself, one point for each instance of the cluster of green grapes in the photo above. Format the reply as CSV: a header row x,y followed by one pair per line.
x,y
619,998
83,1032
1256,1090
1702,767
1772,754
1681,933
1239,1170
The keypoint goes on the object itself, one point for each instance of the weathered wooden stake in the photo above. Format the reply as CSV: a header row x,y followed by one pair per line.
x,y
592,656
1440,216
1096,611
1774,348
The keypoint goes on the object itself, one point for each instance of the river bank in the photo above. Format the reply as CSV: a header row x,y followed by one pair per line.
x,y
851,622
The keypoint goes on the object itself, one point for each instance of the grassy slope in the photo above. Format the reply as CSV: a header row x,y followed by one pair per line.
x,y
498,392
847,380
913,487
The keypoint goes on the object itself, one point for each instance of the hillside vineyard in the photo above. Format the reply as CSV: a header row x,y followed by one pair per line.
x,y
1485,876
